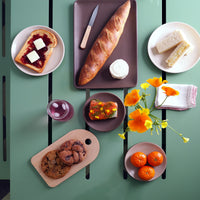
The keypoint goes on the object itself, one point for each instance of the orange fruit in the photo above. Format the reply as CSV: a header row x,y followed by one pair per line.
x,y
146,172
139,159
155,158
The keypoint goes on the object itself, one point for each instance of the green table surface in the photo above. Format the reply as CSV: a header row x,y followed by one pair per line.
x,y
24,99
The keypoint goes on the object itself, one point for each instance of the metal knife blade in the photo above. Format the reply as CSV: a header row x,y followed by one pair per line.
x,y
88,29
93,16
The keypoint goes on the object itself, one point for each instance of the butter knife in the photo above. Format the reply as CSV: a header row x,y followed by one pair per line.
x,y
89,27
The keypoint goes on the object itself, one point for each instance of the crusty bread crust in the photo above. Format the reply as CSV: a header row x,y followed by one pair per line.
x,y
48,53
104,44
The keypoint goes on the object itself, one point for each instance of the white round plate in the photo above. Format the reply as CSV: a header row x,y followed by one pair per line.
x,y
55,59
146,148
186,62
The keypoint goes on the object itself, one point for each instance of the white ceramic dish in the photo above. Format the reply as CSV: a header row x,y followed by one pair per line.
x,y
55,59
146,148
186,62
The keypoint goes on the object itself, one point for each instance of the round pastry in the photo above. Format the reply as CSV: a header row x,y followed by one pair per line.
x,y
67,145
52,165
72,152
67,157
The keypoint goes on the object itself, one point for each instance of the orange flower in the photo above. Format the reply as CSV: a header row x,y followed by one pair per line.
x,y
138,121
170,91
156,82
132,98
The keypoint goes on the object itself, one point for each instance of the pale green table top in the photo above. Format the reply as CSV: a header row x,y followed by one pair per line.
x,y
27,131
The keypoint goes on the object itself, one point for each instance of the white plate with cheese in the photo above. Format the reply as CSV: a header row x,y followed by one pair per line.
x,y
55,59
186,62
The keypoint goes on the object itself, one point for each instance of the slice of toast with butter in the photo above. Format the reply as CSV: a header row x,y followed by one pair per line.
x,y
37,50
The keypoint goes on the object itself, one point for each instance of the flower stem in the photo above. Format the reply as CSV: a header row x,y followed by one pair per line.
x,y
144,99
163,102
160,104
153,101
154,117
140,106
175,131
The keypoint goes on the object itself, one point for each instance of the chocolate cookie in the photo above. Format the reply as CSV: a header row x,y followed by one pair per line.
x,y
72,152
52,165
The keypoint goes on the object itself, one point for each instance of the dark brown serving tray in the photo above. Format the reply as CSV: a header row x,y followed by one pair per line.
x,y
126,48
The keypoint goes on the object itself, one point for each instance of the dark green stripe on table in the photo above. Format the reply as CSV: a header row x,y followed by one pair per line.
x,y
50,76
87,169
3,28
125,141
164,78
4,117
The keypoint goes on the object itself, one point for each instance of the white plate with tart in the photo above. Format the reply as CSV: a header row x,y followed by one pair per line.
x,y
55,58
112,122
186,62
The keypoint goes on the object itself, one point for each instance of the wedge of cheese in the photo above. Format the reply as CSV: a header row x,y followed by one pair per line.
x,y
170,41
182,49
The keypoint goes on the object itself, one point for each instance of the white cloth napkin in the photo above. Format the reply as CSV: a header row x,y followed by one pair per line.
x,y
185,100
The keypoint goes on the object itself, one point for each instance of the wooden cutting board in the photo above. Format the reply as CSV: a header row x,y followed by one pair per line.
x,y
92,148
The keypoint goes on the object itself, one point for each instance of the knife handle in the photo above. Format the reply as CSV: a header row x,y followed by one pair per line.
x,y
85,37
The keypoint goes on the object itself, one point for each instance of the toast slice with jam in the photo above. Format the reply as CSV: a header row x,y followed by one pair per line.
x,y
37,50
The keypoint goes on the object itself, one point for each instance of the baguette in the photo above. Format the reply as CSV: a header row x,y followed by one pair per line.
x,y
104,44
43,54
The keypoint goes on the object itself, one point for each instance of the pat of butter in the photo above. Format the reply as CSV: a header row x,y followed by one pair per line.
x,y
39,43
33,56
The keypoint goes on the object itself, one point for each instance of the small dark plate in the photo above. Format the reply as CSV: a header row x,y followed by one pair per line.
x,y
108,124
126,48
